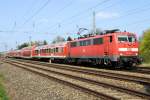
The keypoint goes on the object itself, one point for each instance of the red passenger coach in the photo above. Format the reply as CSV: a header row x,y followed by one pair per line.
x,y
27,52
51,52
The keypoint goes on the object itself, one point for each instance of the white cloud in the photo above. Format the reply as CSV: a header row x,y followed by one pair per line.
x,y
107,15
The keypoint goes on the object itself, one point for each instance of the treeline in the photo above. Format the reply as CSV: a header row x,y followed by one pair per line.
x,y
37,43
145,46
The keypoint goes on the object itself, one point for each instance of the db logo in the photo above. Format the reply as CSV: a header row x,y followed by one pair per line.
x,y
83,50
129,49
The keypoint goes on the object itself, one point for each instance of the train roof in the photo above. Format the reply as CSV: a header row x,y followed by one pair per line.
x,y
91,36
62,44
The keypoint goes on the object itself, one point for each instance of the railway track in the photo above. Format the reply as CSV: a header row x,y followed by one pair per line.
x,y
107,74
144,70
121,89
84,89
136,70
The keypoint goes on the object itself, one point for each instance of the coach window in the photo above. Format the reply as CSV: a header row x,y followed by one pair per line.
x,y
97,41
73,44
46,50
62,49
36,51
49,50
56,50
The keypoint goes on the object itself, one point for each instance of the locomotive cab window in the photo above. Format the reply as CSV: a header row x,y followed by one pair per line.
x,y
97,41
131,39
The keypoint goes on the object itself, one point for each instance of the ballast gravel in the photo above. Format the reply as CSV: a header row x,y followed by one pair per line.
x,y
130,85
24,85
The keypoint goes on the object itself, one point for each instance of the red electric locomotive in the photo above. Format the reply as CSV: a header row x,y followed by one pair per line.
x,y
111,48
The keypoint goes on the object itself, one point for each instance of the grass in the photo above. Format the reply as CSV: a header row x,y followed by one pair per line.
x,y
145,65
3,95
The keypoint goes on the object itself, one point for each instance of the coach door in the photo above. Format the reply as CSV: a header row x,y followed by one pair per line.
x,y
107,45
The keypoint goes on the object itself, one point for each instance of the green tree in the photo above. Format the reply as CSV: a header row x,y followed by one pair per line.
x,y
58,39
23,45
45,42
145,46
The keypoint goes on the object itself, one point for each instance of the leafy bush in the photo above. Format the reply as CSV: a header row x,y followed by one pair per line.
x,y
145,46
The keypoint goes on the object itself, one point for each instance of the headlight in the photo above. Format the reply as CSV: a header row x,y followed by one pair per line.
x,y
136,54
121,54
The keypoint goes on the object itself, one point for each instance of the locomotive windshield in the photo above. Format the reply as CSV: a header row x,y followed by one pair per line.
x,y
125,38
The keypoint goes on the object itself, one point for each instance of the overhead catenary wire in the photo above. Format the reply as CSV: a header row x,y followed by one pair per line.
x,y
64,7
37,12
133,11
29,9
95,12
129,11
81,12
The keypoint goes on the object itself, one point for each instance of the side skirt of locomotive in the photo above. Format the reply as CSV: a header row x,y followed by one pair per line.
x,y
106,61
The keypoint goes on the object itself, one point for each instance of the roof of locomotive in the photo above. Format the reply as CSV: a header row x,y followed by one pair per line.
x,y
102,35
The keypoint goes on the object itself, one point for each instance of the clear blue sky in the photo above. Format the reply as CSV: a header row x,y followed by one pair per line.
x,y
44,20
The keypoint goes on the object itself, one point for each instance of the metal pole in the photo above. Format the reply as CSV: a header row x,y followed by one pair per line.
x,y
30,40
94,23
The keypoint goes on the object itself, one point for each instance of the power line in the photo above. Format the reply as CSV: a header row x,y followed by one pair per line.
x,y
38,11
96,12
14,26
84,11
134,11
64,7
30,8
26,13
137,22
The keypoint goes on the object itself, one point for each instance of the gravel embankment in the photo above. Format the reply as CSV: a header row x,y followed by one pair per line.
x,y
120,83
24,85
